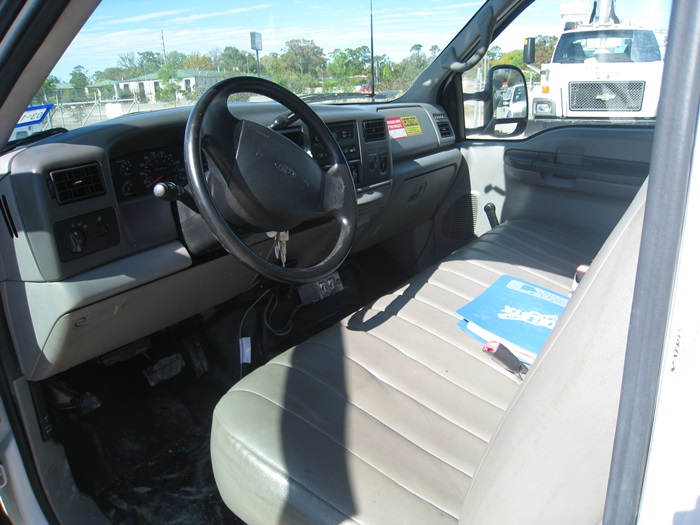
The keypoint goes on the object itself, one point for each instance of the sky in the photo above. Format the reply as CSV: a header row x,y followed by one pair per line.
x,y
119,26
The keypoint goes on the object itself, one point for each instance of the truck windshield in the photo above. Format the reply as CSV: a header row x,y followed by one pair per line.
x,y
619,45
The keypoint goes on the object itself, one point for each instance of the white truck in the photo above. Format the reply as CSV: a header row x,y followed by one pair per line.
x,y
600,69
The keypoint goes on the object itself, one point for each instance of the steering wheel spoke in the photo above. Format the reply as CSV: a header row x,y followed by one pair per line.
x,y
266,182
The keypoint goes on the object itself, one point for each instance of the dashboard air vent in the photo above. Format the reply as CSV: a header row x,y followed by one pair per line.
x,y
74,184
9,222
374,130
443,125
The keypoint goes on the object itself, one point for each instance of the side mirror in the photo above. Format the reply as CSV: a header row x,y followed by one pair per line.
x,y
529,51
508,91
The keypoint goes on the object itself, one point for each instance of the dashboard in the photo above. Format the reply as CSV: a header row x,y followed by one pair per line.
x,y
92,260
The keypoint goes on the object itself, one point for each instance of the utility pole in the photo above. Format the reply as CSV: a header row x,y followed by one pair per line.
x,y
162,41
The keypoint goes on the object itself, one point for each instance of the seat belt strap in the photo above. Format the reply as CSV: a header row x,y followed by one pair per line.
x,y
507,359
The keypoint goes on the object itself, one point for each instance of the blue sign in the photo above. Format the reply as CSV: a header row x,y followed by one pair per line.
x,y
34,115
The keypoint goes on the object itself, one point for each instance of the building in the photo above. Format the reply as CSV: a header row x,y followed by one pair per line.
x,y
146,86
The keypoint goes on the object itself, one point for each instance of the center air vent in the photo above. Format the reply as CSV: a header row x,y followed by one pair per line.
x,y
74,184
443,125
374,130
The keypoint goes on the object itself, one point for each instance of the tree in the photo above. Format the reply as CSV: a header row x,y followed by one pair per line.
x,y
434,51
359,60
303,56
337,65
79,78
46,93
128,64
514,58
149,62
110,73
544,49
176,59
416,48
215,55
168,88
198,61
234,60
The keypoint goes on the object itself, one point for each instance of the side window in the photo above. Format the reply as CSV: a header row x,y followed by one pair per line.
x,y
583,65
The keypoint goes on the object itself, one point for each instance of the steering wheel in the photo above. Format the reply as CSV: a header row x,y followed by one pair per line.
x,y
258,180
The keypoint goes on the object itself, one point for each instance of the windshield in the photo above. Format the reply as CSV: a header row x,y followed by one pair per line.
x,y
608,46
145,56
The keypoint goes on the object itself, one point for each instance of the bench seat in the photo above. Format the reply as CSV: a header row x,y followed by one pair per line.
x,y
391,411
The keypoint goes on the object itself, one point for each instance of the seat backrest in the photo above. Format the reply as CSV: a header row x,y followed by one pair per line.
x,y
549,460
575,52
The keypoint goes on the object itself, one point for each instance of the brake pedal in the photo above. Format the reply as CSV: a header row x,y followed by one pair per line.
x,y
164,369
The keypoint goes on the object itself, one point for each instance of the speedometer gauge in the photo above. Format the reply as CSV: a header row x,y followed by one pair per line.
x,y
159,166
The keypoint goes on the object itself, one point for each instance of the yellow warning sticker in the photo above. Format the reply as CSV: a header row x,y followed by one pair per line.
x,y
412,126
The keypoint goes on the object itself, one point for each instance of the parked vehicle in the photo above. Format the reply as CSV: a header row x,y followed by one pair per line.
x,y
600,70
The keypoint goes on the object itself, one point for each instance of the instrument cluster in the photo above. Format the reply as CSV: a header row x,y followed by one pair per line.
x,y
137,173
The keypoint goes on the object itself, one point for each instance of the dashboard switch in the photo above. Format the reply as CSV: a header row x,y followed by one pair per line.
x,y
75,241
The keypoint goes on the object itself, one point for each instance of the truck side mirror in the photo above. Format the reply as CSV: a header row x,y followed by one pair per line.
x,y
507,100
529,51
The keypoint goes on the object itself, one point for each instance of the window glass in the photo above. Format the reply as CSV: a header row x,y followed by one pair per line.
x,y
589,67
136,56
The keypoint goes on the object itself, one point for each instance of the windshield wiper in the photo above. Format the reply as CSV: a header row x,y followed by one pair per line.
x,y
34,137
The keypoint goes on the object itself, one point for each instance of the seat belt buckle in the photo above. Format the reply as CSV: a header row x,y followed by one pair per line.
x,y
507,359
581,270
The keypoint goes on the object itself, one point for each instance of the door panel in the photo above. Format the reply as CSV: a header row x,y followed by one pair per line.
x,y
582,177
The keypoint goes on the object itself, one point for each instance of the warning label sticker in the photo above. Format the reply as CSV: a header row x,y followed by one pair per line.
x,y
403,127
412,126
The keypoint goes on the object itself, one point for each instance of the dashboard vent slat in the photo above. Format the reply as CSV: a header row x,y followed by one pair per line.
x,y
443,125
74,184
7,215
374,130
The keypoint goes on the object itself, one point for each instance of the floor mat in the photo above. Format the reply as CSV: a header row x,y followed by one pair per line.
x,y
143,455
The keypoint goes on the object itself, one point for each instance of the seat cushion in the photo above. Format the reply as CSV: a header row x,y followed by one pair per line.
x,y
391,411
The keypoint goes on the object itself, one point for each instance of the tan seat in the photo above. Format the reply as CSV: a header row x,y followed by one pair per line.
x,y
397,416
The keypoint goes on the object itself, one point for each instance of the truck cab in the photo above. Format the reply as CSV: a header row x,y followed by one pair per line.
x,y
601,72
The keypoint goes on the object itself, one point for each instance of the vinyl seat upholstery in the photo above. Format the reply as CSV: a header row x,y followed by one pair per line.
x,y
395,415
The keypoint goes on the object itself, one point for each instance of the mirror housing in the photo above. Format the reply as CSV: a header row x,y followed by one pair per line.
x,y
529,51
509,104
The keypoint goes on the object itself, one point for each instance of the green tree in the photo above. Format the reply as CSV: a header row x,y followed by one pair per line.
x,y
544,49
514,58
168,86
176,59
303,56
198,61
495,53
128,63
359,60
215,55
79,80
237,61
46,92
339,69
110,73
149,62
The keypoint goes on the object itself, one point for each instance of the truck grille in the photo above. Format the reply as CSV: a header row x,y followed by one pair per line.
x,y
606,96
